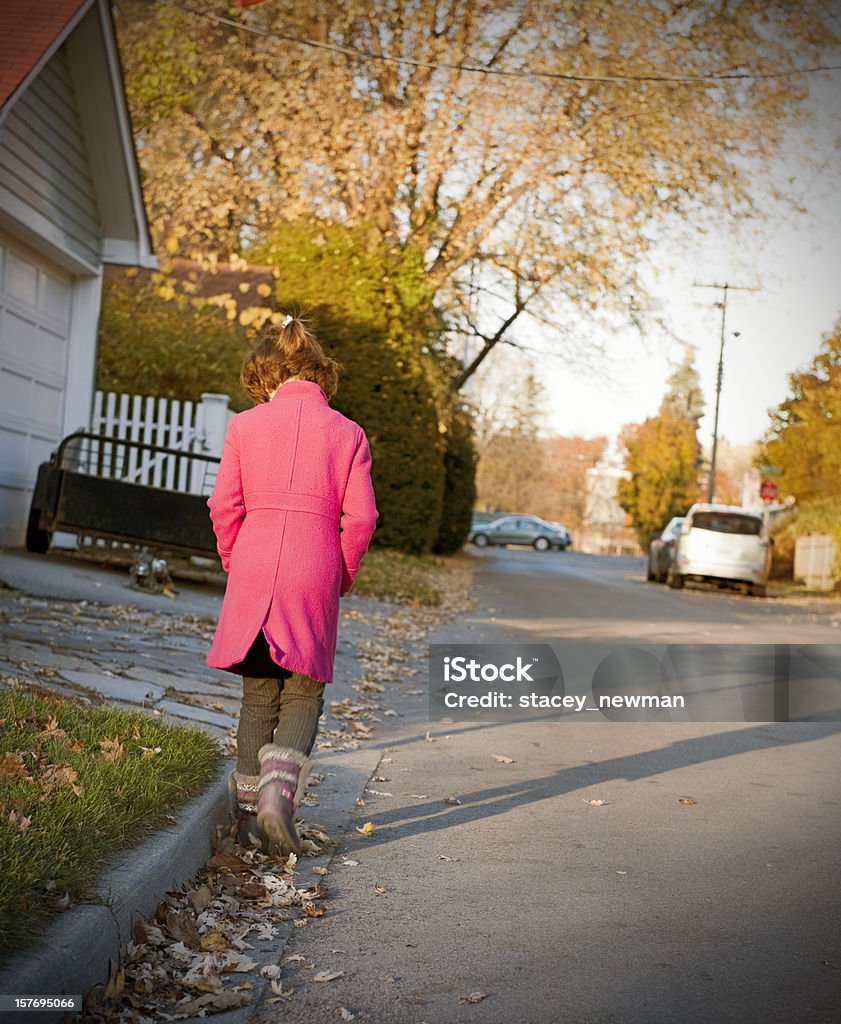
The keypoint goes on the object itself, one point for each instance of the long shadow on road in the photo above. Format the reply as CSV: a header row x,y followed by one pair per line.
x,y
481,804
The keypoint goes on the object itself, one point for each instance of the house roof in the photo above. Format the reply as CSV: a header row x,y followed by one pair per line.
x,y
31,32
28,29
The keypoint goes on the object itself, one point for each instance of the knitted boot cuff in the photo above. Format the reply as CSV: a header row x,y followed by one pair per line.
x,y
296,757
246,791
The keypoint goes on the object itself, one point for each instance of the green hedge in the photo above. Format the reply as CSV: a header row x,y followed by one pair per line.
x,y
149,345
369,310
459,485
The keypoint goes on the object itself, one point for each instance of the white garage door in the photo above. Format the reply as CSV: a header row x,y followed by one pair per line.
x,y
35,305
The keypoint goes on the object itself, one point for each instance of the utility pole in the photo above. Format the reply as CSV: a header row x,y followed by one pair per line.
x,y
724,288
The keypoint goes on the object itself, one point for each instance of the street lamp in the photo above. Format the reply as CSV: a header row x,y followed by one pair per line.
x,y
718,379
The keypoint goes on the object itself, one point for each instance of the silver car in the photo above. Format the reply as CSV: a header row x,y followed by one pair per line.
x,y
722,543
520,529
661,551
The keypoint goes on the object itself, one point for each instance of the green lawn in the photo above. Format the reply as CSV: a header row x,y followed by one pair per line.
x,y
78,783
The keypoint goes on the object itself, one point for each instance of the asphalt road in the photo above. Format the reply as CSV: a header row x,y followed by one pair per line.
x,y
581,870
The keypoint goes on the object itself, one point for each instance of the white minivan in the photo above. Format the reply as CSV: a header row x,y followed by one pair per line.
x,y
722,543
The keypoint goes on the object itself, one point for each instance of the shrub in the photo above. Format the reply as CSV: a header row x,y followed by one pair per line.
x,y
152,345
820,515
459,485
368,310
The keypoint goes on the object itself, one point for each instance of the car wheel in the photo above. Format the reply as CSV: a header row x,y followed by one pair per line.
x,y
480,540
541,544
674,580
37,540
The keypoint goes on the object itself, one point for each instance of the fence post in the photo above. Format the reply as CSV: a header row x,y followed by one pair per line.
x,y
212,420
212,416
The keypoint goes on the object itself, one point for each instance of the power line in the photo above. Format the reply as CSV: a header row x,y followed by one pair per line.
x,y
724,76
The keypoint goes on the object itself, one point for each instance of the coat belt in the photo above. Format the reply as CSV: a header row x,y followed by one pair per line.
x,y
288,501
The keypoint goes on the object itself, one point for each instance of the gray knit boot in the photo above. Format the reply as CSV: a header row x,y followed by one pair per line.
x,y
283,775
242,790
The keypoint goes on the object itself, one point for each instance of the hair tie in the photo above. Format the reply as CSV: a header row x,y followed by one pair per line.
x,y
287,321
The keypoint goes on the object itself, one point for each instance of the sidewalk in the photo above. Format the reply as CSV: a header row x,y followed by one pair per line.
x,y
77,629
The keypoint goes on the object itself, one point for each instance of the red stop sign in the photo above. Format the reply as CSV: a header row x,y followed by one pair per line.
x,y
769,491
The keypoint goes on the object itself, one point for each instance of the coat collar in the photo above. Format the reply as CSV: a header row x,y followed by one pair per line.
x,y
300,389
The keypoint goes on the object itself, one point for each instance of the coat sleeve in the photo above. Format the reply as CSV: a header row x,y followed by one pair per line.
x,y
227,502
359,513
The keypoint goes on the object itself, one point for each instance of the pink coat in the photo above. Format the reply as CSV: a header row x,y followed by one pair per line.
x,y
294,473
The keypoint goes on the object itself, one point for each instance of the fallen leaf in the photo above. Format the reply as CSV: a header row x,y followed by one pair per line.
x,y
116,980
227,862
686,800
227,999
182,928
360,802
349,863
279,990
239,963
452,800
502,759
324,976
150,751
311,910
294,958
214,941
320,871
595,803
111,749
474,997
430,738
443,856
367,829
271,970
57,775
252,890
19,821
380,889
345,1013
200,897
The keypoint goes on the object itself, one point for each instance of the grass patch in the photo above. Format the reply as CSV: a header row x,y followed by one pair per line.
x,y
78,783
419,580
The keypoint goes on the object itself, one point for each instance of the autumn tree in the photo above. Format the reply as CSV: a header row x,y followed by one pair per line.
x,y
511,471
683,390
566,462
804,437
663,456
661,459
528,150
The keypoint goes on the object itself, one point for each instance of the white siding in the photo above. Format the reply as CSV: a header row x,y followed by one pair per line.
x,y
43,162
36,300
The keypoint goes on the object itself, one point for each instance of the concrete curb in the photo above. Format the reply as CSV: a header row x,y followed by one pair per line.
x,y
74,953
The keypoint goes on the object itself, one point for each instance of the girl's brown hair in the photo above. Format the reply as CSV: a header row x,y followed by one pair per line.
x,y
287,350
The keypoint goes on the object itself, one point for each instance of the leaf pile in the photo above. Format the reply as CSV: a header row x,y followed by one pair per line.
x,y
193,957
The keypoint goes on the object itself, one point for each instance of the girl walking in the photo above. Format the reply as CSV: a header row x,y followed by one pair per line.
x,y
293,511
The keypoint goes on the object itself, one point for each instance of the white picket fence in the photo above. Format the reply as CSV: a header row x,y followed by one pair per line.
x,y
182,427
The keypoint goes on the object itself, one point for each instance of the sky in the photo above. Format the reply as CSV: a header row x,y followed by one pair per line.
x,y
794,259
